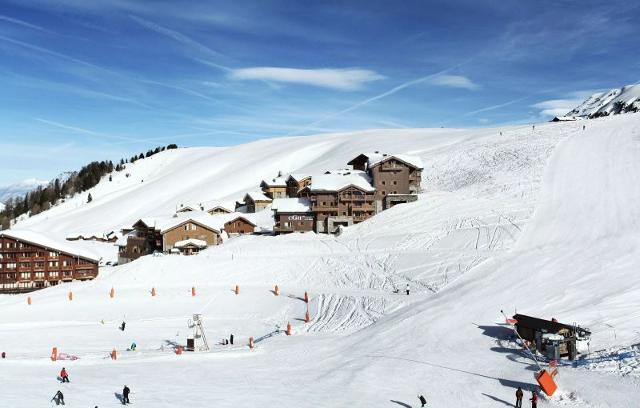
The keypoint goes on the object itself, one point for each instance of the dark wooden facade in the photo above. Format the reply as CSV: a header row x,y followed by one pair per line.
x,y
288,222
28,266
239,225
295,184
350,205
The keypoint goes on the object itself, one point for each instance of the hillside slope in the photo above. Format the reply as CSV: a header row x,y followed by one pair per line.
x,y
544,222
604,102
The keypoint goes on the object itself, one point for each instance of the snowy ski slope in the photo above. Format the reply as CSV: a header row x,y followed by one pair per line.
x,y
544,221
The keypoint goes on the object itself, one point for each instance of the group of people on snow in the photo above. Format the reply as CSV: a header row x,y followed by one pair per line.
x,y
520,395
58,398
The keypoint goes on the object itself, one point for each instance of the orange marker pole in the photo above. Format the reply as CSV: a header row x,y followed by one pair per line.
x,y
70,295
306,297
112,293
251,343
193,291
276,291
153,291
237,289
29,300
307,319
114,354
289,329
54,354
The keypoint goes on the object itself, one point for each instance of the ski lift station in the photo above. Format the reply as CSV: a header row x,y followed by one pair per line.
x,y
553,339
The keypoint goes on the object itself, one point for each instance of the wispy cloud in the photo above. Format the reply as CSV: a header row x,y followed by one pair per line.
x,y
557,107
21,23
498,106
454,81
345,79
382,95
177,36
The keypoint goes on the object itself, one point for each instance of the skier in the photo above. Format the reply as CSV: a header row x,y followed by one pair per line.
x,y
231,339
133,346
58,398
125,395
584,127
64,375
519,395
122,326
423,400
4,355
534,399
407,289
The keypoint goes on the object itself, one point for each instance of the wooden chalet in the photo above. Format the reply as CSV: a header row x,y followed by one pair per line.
x,y
256,201
239,225
296,182
274,188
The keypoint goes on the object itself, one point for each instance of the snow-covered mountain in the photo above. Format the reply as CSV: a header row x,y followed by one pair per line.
x,y
544,221
604,103
20,188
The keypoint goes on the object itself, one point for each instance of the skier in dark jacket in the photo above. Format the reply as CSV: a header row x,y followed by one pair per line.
x,y
519,395
534,399
125,395
58,398
423,400
122,326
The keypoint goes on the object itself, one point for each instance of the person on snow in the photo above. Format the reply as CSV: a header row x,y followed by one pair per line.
x,y
125,395
519,395
4,355
423,400
58,398
133,346
534,399
407,289
64,375
122,326
231,339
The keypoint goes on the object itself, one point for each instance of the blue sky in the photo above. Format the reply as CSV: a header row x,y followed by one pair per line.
x,y
85,80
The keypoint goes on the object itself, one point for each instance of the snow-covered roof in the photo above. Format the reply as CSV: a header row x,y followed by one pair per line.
x,y
341,180
256,196
274,182
188,207
37,238
299,177
191,242
291,205
221,219
375,158
164,224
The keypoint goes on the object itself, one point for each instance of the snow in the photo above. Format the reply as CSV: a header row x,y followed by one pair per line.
x,y
339,180
192,241
48,242
376,158
544,221
291,205
257,196
604,101
275,182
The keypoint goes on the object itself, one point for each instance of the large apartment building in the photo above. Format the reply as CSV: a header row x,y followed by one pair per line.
x,y
340,198
396,177
31,261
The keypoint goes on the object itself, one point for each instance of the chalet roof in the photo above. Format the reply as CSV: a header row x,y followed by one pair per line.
x,y
545,325
256,196
47,242
298,177
189,207
341,180
164,224
375,158
291,205
191,242
274,182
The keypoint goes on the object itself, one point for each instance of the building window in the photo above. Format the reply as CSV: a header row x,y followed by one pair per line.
x,y
384,182
53,254
53,274
53,264
395,182
25,275
11,265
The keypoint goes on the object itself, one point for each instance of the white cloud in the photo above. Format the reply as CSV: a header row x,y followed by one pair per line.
x,y
346,79
454,81
557,107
